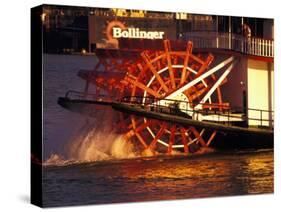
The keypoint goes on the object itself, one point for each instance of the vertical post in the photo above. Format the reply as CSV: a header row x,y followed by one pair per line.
x,y
266,47
269,94
217,31
228,116
256,46
263,45
229,32
252,45
269,48
272,48
242,34
261,116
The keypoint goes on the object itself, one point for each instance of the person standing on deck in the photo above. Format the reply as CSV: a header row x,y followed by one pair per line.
x,y
247,35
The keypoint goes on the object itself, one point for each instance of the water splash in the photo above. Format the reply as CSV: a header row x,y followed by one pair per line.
x,y
95,140
57,160
121,148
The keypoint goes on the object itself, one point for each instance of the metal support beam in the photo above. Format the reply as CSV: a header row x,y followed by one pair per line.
x,y
200,78
167,47
218,83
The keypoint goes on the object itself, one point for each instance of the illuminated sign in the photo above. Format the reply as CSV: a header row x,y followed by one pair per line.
x,y
136,33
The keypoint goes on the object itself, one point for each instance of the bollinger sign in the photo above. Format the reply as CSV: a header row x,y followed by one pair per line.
x,y
136,33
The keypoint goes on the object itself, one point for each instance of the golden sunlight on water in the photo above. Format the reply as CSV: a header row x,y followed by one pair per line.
x,y
160,178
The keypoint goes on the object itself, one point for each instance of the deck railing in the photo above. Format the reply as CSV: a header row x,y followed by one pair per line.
x,y
261,119
252,45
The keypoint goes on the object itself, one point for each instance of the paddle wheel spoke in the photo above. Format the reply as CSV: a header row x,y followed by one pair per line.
x,y
151,67
198,136
184,74
143,87
152,145
172,139
211,138
167,47
184,139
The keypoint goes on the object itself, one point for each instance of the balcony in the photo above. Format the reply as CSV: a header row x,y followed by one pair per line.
x,y
213,40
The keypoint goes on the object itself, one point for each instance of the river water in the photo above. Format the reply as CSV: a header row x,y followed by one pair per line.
x,y
162,178
85,163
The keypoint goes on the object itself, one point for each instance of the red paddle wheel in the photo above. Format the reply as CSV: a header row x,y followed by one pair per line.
x,y
163,75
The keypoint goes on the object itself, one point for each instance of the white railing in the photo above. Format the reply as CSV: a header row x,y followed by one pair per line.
x,y
252,46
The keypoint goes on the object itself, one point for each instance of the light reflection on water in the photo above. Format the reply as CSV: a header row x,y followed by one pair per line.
x,y
219,174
